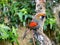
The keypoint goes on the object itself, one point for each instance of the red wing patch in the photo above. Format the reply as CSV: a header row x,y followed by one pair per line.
x,y
32,24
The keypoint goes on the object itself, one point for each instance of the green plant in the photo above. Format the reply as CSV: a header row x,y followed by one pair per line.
x,y
50,19
7,33
23,15
3,31
16,12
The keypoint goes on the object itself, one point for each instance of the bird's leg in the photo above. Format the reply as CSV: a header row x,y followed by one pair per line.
x,y
33,37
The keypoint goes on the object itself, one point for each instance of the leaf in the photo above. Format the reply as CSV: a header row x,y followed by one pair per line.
x,y
20,14
4,31
45,27
51,26
14,30
27,16
24,11
24,23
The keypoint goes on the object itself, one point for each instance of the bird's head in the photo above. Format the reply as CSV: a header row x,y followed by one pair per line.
x,y
40,16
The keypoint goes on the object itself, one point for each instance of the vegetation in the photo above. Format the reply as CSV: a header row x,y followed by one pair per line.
x,y
50,23
12,14
19,12
7,33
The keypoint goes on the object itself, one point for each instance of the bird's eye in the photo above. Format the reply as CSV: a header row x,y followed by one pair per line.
x,y
40,17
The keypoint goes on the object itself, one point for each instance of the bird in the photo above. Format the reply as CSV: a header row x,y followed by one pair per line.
x,y
36,21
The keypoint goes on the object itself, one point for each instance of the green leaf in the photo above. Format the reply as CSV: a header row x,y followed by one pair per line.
x,y
24,11
4,31
44,27
20,14
14,30
28,16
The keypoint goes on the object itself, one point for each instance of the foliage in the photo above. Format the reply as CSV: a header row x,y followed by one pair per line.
x,y
4,32
17,12
7,33
23,15
50,23
50,19
57,36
